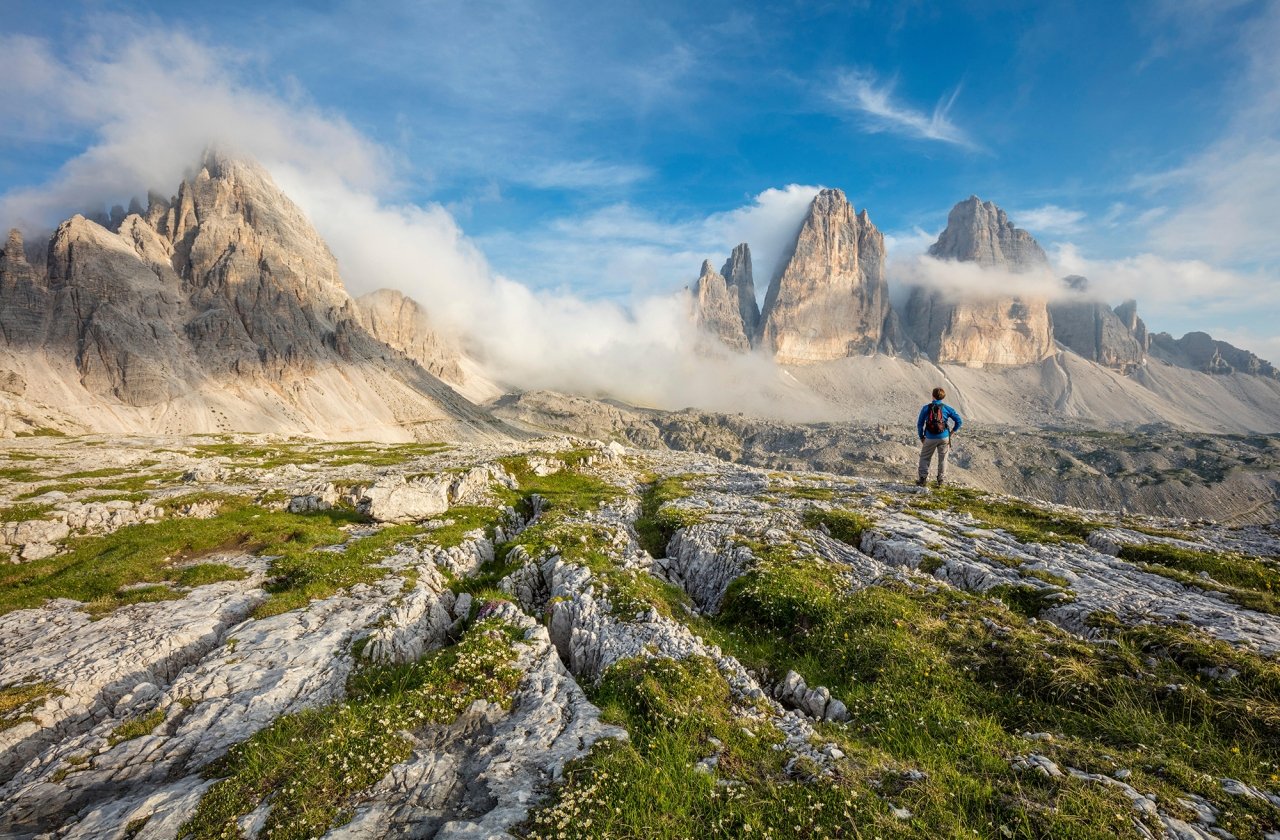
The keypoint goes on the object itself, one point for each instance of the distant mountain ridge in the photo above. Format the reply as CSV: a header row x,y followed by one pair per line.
x,y
830,301
220,308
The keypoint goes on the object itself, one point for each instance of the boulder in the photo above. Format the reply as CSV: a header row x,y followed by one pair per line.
x,y
393,499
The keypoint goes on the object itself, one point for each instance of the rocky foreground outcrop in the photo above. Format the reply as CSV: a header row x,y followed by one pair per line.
x,y
561,634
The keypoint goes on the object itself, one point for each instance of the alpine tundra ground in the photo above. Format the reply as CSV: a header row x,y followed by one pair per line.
x,y
245,637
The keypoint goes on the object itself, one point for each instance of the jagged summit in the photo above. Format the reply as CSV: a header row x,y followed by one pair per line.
x,y
979,231
218,308
830,299
738,276
717,309
1115,338
983,330
1201,351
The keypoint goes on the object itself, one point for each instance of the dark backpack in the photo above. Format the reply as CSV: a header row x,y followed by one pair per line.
x,y
935,422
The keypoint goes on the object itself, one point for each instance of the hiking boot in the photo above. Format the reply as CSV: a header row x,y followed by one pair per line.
x,y
922,481
939,483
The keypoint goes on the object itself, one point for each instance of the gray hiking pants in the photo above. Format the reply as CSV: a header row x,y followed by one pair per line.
x,y
942,446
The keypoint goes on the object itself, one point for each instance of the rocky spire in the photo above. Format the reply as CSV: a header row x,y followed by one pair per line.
x,y
979,231
983,329
737,274
13,258
23,296
716,309
1112,338
830,300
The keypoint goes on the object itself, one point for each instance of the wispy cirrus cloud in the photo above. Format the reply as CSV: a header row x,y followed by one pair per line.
x,y
1050,219
583,175
1224,200
875,102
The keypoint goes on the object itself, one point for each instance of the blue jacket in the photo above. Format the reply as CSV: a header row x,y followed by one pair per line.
x,y
948,413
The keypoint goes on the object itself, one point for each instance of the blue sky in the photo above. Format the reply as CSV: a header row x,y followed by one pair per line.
x,y
601,150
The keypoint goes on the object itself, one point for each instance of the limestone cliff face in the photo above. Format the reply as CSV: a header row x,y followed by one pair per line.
x,y
737,276
401,323
716,309
223,295
830,300
979,231
982,329
1113,338
24,295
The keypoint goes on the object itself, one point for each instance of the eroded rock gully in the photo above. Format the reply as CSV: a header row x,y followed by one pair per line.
x,y
490,532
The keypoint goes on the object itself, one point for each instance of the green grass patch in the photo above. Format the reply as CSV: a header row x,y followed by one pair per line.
x,y
1046,576
1027,601
1231,569
301,574
677,713
17,702
1025,522
655,526
202,574
270,456
566,490
68,487
1251,582
20,475
105,472
22,513
105,571
313,765
847,526
41,431
818,494
466,519
136,728
943,680
930,563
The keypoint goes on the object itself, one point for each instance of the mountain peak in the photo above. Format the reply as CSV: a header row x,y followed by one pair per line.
x,y
980,231
829,201
830,301
737,274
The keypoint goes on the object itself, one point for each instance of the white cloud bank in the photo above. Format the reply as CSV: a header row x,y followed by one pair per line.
x,y
151,107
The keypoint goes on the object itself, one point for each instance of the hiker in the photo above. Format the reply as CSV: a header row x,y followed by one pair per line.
x,y
935,435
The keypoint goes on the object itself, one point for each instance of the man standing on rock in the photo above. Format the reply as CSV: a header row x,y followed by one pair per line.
x,y
935,435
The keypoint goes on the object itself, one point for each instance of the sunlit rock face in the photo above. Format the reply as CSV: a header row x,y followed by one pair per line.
x,y
716,310
1011,329
218,308
724,303
401,322
830,300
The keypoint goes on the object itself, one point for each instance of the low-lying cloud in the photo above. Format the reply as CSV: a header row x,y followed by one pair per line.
x,y
154,105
